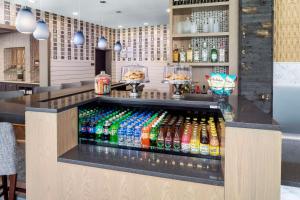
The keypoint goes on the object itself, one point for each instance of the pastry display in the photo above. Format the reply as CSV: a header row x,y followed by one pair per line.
x,y
134,75
177,73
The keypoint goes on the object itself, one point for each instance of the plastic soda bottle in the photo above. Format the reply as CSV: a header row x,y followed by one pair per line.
x,y
122,135
145,137
114,133
153,136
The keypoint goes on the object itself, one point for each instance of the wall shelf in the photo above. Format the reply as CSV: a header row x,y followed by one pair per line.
x,y
193,35
207,64
202,5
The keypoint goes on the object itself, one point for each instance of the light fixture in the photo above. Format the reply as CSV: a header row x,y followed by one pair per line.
x,y
120,26
103,2
41,31
146,24
118,11
118,47
102,43
168,10
79,38
75,13
31,1
25,21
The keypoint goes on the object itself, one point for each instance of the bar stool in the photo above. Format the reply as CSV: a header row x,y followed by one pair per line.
x,y
8,160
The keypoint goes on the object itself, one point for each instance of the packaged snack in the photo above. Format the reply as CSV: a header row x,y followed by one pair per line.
x,y
229,84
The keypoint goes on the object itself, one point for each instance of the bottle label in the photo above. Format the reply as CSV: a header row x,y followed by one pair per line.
x,y
214,150
214,57
204,56
204,149
160,145
176,146
185,147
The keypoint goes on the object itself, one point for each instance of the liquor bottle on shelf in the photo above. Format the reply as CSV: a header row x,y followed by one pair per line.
x,y
204,53
214,55
196,54
182,55
176,55
222,53
189,54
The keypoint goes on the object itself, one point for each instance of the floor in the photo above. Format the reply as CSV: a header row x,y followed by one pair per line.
x,y
287,193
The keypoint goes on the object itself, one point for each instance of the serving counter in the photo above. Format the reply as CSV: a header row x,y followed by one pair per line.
x,y
61,166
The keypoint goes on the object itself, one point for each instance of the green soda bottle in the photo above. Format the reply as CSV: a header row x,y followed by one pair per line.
x,y
99,129
114,133
153,136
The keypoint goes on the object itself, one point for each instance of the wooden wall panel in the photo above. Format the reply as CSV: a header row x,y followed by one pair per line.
x,y
252,164
287,31
67,136
81,182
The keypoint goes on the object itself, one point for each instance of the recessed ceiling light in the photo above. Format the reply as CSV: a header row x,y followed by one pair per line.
x,y
75,13
31,1
168,10
146,24
102,1
120,26
118,11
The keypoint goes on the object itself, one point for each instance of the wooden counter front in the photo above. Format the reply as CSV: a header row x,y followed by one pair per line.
x,y
252,167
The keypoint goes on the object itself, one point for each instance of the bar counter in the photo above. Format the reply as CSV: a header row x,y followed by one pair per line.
x,y
54,156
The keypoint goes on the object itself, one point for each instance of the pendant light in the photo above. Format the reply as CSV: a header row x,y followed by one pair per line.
x,y
25,21
79,36
118,47
102,43
41,31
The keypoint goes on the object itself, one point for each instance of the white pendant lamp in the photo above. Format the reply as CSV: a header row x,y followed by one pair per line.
x,y
41,31
102,43
79,38
118,47
25,21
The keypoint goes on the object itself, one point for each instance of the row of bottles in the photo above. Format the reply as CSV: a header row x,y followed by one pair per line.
x,y
150,129
197,55
187,2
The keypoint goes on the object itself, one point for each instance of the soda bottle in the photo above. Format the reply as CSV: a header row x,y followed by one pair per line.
x,y
176,140
168,138
137,136
105,136
185,141
204,143
145,137
129,135
114,133
214,148
153,136
161,137
99,129
122,135
195,142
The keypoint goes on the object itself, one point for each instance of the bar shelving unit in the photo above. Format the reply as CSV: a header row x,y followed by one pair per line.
x,y
227,12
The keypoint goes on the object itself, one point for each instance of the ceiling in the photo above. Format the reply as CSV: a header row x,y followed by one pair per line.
x,y
134,12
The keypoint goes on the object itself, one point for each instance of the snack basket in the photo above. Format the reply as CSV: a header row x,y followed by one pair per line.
x,y
177,75
134,75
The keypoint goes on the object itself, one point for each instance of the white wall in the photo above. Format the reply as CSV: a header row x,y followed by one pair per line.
x,y
286,96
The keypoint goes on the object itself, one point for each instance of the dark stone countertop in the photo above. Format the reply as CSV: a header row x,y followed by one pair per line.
x,y
237,111
200,170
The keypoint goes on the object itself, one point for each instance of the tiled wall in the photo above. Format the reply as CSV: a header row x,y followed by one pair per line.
x,y
147,46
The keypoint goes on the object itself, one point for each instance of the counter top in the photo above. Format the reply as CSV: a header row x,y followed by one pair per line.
x,y
20,82
183,168
237,111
